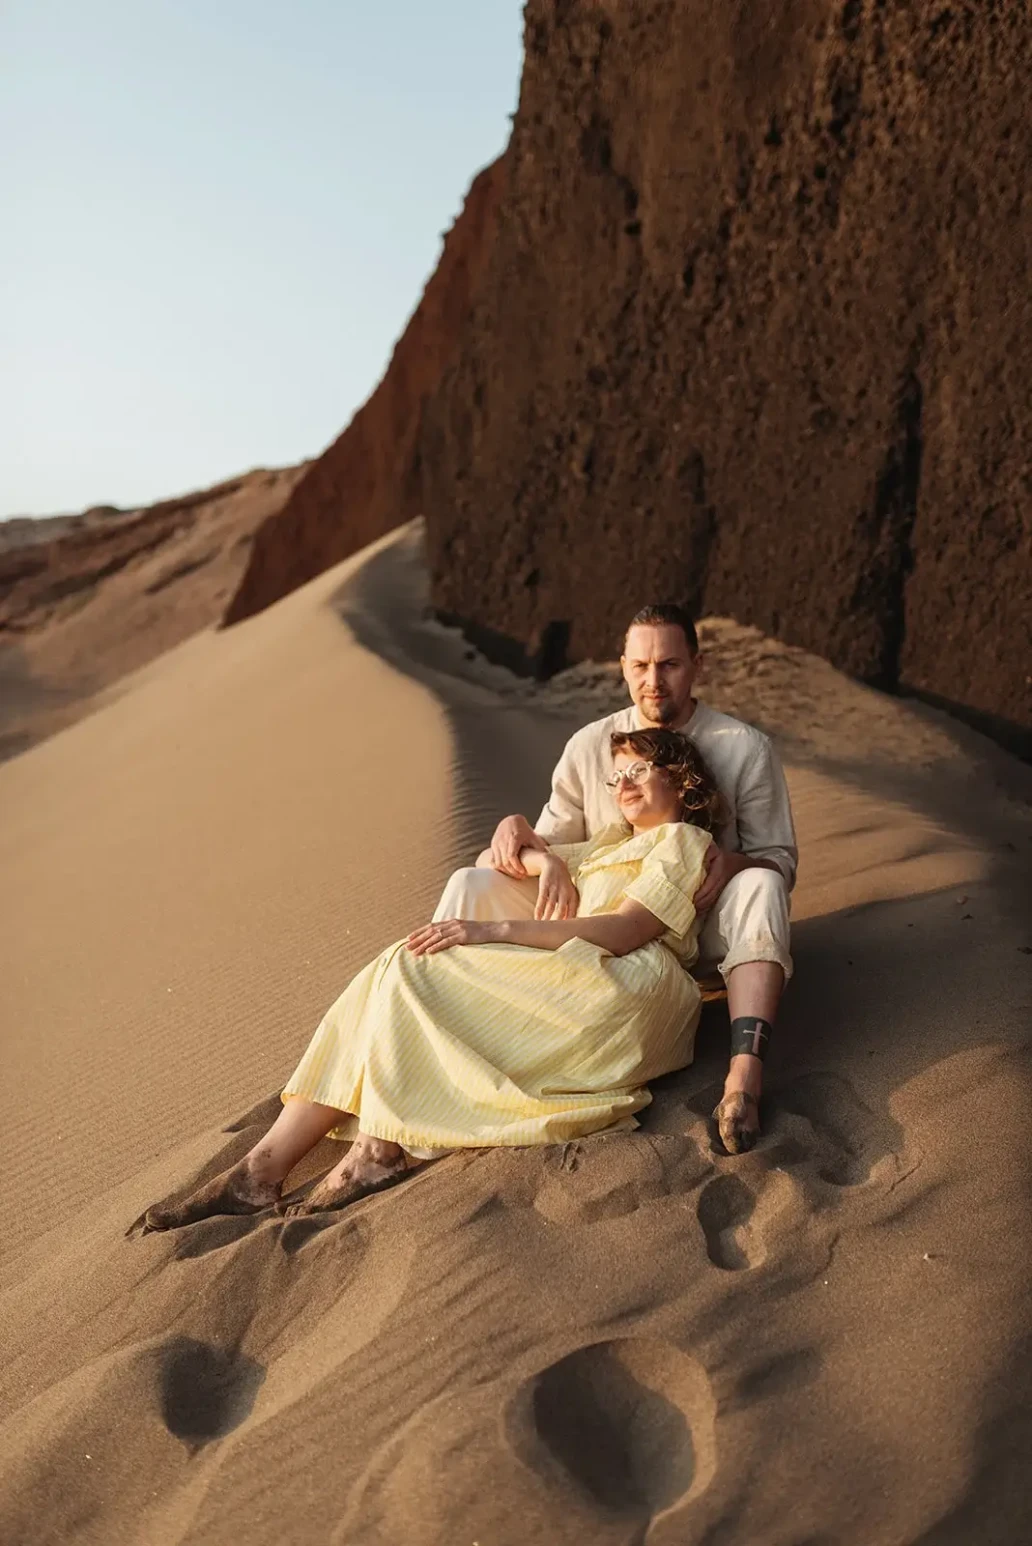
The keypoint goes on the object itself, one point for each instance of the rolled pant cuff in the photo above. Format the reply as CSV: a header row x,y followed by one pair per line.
x,y
764,950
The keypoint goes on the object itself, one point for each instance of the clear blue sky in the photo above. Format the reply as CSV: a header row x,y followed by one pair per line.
x,y
218,215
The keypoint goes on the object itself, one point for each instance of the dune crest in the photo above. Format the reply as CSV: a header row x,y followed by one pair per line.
x,y
86,599
625,1339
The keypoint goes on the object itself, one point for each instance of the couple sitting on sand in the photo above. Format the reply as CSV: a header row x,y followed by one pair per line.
x,y
553,982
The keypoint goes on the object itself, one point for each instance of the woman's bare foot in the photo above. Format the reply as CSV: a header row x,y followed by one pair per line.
x,y
370,1165
242,1189
738,1114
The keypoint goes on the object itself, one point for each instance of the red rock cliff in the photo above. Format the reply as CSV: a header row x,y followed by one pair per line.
x,y
368,480
755,332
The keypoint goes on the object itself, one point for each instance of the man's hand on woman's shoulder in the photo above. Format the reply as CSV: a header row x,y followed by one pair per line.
x,y
720,866
511,835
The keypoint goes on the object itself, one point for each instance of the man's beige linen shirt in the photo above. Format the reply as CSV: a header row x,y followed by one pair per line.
x,y
741,758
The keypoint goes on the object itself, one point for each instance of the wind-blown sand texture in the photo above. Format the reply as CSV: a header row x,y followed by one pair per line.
x,y
631,1338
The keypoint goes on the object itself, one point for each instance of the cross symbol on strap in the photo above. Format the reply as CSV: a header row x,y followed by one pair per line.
x,y
758,1035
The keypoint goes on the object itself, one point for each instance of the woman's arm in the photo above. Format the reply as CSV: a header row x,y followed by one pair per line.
x,y
557,895
532,859
627,929
620,932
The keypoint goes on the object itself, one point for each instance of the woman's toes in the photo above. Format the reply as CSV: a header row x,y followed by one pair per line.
x,y
235,1191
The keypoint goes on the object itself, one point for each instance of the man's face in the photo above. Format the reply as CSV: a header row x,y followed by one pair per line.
x,y
660,670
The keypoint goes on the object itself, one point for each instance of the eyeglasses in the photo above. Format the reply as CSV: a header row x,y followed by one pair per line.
x,y
637,773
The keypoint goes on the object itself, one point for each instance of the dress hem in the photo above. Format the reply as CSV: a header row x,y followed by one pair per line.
x,y
407,1137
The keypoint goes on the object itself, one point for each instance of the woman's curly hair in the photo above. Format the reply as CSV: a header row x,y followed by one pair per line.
x,y
702,804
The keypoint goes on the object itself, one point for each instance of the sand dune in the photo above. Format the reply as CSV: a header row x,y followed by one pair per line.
x,y
85,599
628,1339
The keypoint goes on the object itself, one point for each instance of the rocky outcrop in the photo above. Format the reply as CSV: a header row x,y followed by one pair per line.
x,y
50,565
755,332
86,599
369,481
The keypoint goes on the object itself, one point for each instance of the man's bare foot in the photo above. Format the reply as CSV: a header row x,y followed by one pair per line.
x,y
738,1114
370,1165
236,1191
738,1121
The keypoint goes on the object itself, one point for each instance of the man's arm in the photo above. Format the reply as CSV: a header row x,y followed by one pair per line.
x,y
561,820
765,828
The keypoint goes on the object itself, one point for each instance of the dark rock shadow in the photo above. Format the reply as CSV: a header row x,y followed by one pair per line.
x,y
26,701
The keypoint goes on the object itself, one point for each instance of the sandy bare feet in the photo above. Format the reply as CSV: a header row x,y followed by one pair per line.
x,y
738,1121
237,1190
370,1165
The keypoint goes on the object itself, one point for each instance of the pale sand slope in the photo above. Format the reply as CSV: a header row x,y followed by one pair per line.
x,y
69,633
628,1338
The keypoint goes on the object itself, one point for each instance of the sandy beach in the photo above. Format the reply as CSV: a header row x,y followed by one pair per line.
x,y
633,1338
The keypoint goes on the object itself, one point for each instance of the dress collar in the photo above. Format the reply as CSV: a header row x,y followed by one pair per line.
x,y
617,844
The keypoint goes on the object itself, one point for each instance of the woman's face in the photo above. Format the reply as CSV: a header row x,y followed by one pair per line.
x,y
646,799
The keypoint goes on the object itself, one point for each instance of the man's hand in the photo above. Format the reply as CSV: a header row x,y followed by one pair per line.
x,y
557,895
449,932
720,866
511,834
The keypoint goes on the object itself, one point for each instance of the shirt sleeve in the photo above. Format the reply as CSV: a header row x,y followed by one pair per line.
x,y
764,815
562,819
670,876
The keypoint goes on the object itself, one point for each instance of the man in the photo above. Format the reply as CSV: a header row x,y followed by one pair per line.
x,y
749,876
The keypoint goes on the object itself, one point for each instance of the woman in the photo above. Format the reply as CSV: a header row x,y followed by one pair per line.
x,y
473,1034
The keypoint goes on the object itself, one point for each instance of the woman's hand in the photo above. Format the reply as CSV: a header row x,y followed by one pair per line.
x,y
433,937
557,895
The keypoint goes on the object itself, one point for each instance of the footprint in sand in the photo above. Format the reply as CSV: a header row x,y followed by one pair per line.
x,y
724,1210
819,1119
609,1179
205,1391
630,1422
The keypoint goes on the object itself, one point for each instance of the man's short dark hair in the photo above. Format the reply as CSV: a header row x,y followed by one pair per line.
x,y
666,614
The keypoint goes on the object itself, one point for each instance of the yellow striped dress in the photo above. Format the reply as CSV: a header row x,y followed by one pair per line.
x,y
503,1044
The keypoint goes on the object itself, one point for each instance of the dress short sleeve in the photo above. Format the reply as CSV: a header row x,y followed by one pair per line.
x,y
671,873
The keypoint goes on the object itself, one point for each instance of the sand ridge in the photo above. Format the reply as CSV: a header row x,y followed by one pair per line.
x,y
87,599
624,1339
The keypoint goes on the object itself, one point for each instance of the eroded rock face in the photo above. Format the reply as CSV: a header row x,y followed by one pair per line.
x,y
368,481
755,332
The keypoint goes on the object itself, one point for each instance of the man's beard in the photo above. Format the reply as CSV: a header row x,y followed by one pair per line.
x,y
661,711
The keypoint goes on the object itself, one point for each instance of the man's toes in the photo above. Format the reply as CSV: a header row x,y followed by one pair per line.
x,y
739,1140
737,1133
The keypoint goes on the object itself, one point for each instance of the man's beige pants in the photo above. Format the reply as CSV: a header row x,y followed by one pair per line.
x,y
748,923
